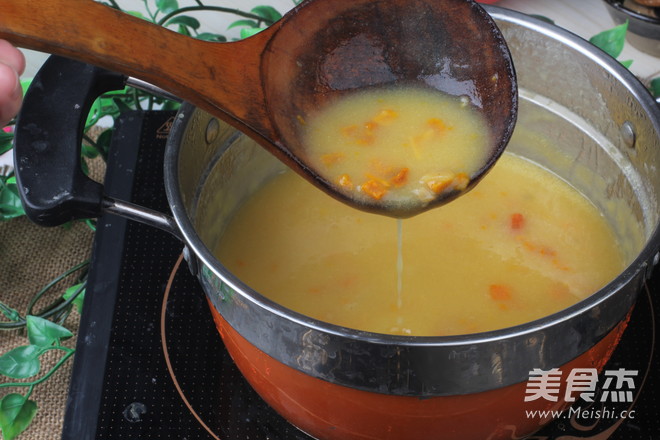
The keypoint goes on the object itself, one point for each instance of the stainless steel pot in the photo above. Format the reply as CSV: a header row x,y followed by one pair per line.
x,y
582,115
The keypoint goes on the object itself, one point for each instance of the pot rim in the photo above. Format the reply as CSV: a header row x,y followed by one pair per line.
x,y
648,256
638,270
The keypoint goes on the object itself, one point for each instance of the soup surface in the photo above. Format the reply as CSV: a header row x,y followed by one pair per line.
x,y
521,245
398,146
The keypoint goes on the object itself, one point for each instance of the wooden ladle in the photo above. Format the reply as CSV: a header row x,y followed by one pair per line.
x,y
319,50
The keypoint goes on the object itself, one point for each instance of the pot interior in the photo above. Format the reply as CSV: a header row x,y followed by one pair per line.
x,y
582,116
578,118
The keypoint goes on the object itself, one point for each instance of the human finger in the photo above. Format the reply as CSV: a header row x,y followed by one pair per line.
x,y
12,56
11,94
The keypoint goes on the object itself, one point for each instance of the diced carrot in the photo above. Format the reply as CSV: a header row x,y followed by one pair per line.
x,y
461,181
499,292
540,249
332,158
560,291
349,131
530,246
547,251
349,280
345,181
367,139
378,168
438,186
385,116
374,189
368,136
401,177
517,221
417,142
424,137
468,325
362,135
438,125
380,180
438,183
558,264
414,145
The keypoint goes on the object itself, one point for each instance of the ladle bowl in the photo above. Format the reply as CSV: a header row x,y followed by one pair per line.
x,y
316,53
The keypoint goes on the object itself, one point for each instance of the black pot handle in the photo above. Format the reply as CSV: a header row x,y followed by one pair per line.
x,y
48,139
47,143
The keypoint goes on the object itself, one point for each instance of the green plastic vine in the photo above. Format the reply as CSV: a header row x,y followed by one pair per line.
x,y
17,410
44,326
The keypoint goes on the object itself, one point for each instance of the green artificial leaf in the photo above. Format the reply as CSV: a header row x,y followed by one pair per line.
x,y
103,141
137,14
78,301
44,333
612,40
542,18
10,202
268,13
626,63
655,87
91,224
108,103
21,362
121,105
89,151
95,113
185,20
171,105
11,314
248,32
16,414
184,31
84,167
208,36
167,6
6,140
243,23
25,84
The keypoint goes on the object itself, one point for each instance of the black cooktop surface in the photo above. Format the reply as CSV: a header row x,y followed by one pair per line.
x,y
150,363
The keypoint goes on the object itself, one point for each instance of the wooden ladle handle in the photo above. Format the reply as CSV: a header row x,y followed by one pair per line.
x,y
222,78
269,85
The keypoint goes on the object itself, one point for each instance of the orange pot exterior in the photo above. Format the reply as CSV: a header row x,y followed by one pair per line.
x,y
329,411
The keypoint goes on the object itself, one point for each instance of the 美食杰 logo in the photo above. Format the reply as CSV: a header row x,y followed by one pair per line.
x,y
611,387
